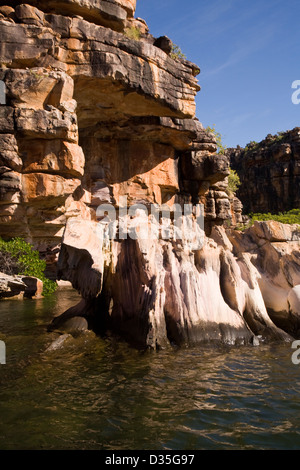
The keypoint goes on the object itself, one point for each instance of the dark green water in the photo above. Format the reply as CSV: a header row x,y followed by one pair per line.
x,y
100,394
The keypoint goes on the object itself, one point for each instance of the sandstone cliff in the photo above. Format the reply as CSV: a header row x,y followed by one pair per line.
x,y
269,172
94,117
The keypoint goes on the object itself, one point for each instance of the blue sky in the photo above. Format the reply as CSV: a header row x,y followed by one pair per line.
x,y
249,56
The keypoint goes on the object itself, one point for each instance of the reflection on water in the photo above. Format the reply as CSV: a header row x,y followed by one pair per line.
x,y
101,394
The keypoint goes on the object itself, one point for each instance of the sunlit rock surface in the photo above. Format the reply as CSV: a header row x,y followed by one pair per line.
x,y
98,112
160,292
270,173
274,249
89,114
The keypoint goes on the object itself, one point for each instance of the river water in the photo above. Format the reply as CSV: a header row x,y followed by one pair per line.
x,y
100,394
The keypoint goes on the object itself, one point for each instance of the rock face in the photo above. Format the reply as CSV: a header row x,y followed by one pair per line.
x,y
104,163
18,287
274,250
270,173
92,115
233,288
11,286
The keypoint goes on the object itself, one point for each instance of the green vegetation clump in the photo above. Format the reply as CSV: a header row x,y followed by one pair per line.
x,y
176,53
218,137
18,257
267,142
234,181
233,178
133,33
290,217
280,136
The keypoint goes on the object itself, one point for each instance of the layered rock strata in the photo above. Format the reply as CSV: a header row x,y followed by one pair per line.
x,y
104,163
269,172
91,115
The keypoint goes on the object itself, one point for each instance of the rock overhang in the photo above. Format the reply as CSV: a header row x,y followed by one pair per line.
x,y
92,116
133,75
109,13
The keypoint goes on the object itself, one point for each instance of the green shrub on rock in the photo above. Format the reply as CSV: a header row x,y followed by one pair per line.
x,y
234,181
290,217
177,53
133,33
18,257
218,138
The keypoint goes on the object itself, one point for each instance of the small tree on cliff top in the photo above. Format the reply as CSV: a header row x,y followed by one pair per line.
x,y
177,53
18,257
233,178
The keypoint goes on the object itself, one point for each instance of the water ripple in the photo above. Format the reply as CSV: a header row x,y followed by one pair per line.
x,y
100,394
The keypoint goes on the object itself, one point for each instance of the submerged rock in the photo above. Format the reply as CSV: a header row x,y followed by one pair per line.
x,y
72,325
58,343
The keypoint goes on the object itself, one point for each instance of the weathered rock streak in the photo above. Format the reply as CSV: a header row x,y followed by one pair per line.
x,y
93,116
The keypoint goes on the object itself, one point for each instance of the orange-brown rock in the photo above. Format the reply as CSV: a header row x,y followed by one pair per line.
x,y
52,156
141,170
111,14
91,115
270,173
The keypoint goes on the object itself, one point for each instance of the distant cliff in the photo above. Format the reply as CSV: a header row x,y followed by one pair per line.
x,y
96,109
269,172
